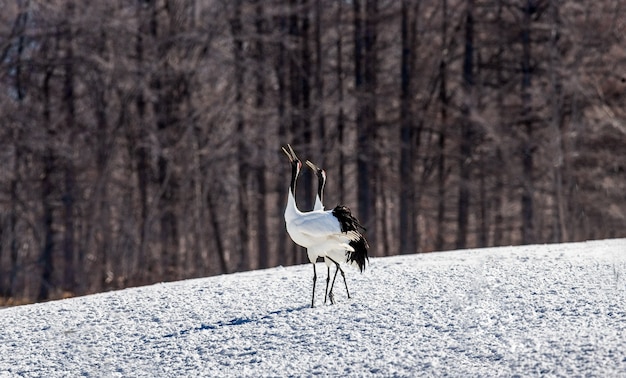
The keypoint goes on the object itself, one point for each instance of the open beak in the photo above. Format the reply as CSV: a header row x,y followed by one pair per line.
x,y
290,154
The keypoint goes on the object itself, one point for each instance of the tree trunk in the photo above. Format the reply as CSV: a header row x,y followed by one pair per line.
x,y
498,199
103,212
441,141
242,163
465,156
47,186
559,229
483,235
365,86
319,79
9,290
300,97
528,232
217,232
69,280
499,192
304,84
340,98
280,24
261,210
407,142
138,143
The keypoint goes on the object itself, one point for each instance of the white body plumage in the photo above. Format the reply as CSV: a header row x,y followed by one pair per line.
x,y
318,231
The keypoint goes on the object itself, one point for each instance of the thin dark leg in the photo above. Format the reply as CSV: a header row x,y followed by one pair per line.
x,y
314,280
332,285
344,279
330,294
342,275
327,281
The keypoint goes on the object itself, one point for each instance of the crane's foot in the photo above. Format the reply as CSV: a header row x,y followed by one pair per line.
x,y
331,296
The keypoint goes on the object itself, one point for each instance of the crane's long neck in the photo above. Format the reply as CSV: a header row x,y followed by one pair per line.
x,y
319,200
292,211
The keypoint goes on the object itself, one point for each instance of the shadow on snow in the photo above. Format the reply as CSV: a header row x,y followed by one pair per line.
x,y
235,321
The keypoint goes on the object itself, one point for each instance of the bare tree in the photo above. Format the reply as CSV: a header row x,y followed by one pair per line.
x,y
259,103
142,140
444,100
527,147
365,67
465,155
407,134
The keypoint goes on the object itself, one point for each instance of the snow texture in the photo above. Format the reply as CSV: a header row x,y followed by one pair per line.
x,y
555,310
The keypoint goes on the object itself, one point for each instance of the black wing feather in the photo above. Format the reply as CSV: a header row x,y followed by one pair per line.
x,y
349,223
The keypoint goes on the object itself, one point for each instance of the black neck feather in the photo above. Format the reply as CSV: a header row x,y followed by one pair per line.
x,y
294,176
320,185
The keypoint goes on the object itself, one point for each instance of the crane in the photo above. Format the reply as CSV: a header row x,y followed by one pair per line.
x,y
336,256
323,232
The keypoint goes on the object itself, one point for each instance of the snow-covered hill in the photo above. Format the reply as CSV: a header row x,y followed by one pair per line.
x,y
533,310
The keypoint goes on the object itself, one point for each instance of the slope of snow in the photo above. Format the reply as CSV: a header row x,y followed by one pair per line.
x,y
532,310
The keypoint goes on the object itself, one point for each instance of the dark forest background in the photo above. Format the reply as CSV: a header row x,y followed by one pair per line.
x,y
140,140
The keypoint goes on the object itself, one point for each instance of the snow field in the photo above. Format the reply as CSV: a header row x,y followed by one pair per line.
x,y
556,310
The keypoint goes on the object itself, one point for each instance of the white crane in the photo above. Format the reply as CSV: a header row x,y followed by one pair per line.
x,y
321,231
334,256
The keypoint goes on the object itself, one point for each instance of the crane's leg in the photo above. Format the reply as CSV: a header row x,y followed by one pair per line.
x,y
344,279
342,275
332,285
327,282
330,293
314,280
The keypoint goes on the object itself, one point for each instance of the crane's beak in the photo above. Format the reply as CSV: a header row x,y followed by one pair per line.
x,y
290,154
318,171
287,153
313,166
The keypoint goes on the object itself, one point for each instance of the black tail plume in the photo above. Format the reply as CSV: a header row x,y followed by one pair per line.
x,y
359,256
349,223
